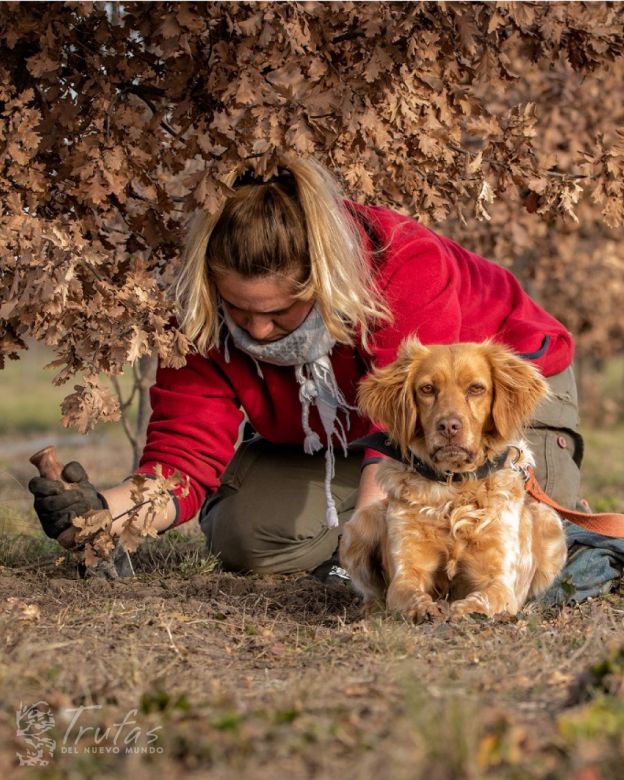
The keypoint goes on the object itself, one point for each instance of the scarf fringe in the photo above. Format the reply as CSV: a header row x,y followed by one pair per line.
x,y
331,514
307,349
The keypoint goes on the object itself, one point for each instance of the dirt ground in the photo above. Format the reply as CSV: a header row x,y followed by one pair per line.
x,y
186,671
280,676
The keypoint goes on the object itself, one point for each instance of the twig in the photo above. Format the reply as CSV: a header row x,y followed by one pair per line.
x,y
132,508
173,644
348,36
165,126
110,111
501,164
124,417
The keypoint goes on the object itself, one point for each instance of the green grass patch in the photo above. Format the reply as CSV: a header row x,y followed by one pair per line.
x,y
174,553
171,554
603,717
26,549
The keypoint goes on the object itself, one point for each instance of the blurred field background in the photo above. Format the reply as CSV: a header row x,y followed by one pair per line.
x,y
30,413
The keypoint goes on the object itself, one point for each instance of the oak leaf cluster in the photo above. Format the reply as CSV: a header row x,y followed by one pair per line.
x,y
500,124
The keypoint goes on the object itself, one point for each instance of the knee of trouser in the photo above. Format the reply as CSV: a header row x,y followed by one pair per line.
x,y
245,545
229,536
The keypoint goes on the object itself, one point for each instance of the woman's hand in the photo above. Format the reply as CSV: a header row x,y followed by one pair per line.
x,y
56,506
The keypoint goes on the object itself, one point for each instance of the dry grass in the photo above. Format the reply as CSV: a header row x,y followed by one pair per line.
x,y
259,677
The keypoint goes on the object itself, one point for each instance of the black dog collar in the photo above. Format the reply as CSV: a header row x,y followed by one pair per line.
x,y
381,443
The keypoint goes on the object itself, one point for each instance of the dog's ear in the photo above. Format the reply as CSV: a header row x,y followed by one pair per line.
x,y
387,396
518,389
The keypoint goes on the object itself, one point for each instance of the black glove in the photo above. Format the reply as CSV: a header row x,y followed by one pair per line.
x,y
55,506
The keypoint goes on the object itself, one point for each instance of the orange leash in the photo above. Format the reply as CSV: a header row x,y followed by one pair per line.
x,y
604,523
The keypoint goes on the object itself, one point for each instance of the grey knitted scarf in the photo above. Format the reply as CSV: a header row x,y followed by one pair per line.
x,y
307,349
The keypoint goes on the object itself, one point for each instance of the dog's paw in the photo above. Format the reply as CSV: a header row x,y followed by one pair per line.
x,y
425,610
475,606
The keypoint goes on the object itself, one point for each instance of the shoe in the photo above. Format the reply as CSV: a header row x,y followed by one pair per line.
x,y
330,572
338,576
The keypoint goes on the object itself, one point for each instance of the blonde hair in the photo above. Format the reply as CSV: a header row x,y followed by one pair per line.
x,y
296,223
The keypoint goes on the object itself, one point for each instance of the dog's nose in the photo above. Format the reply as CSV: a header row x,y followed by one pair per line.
x,y
449,426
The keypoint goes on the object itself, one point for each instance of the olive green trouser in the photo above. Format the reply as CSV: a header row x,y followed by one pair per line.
x,y
268,516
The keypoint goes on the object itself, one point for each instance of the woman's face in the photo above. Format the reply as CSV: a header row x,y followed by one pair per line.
x,y
263,306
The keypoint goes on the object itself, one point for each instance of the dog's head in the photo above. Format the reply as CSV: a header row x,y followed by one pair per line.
x,y
452,405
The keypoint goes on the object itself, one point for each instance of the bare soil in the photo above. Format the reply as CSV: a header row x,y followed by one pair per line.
x,y
281,676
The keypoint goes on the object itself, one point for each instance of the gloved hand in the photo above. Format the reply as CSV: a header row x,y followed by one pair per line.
x,y
55,506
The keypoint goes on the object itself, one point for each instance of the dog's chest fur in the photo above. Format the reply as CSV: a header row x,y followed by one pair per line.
x,y
459,519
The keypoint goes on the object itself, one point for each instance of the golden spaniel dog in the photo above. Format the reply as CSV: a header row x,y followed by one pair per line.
x,y
457,533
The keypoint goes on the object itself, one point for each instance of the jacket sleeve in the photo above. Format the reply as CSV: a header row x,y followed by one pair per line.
x,y
193,429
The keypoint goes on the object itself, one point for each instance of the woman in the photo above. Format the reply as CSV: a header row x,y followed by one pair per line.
x,y
290,294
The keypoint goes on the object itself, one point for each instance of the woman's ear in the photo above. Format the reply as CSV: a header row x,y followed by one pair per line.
x,y
518,389
387,397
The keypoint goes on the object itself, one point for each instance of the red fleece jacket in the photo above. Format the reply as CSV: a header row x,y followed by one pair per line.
x,y
435,289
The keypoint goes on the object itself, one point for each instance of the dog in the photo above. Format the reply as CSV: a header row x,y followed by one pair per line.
x,y
457,533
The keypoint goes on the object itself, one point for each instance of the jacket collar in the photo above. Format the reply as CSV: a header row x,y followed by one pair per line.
x,y
380,442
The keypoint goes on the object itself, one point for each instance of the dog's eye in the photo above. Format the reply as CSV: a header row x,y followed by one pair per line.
x,y
427,389
476,389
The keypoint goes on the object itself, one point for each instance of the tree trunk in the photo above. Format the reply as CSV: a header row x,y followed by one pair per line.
x,y
145,376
